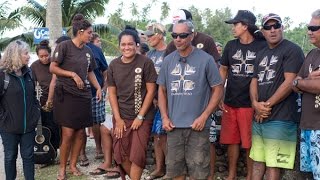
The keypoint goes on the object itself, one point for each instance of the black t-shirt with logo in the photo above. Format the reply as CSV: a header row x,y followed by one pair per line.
x,y
240,59
269,70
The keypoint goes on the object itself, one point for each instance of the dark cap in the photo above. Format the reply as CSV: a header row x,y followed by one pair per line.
x,y
270,16
181,14
244,16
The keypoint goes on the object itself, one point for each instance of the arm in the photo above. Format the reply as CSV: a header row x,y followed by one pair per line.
x,y
147,102
283,91
216,95
93,80
163,106
223,70
261,108
51,88
309,85
55,69
120,125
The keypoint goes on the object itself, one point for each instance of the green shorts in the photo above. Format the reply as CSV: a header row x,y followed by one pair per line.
x,y
274,142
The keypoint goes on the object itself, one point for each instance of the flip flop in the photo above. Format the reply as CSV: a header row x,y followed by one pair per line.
x,y
99,155
76,173
84,162
151,176
61,177
116,174
98,171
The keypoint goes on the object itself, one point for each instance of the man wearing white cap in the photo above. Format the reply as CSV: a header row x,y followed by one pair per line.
x,y
200,40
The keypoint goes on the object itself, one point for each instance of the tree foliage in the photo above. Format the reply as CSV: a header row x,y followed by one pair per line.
x,y
208,21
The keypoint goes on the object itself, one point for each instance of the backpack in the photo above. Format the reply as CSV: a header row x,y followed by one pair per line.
x,y
7,80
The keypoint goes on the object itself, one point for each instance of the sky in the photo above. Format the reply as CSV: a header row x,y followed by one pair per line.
x,y
298,11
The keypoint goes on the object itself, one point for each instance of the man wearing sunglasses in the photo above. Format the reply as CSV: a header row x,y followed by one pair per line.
x,y
190,89
200,40
308,83
274,129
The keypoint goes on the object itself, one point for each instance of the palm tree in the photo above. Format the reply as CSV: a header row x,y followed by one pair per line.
x,y
8,21
54,20
164,11
90,9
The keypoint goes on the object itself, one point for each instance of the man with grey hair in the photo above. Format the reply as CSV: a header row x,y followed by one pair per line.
x,y
308,83
190,89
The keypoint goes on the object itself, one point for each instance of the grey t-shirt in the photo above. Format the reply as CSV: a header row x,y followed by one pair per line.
x,y
157,58
188,85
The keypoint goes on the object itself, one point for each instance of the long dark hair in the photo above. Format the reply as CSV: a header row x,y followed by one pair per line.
x,y
255,32
79,23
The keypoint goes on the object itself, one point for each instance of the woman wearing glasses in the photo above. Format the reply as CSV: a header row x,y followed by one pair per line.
x,y
19,109
131,86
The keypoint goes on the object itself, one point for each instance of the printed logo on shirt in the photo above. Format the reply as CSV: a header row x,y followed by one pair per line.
x,y
244,67
137,90
157,63
266,70
56,54
182,86
89,61
200,46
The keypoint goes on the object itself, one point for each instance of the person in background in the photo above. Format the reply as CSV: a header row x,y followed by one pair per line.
x,y
237,64
190,90
46,81
156,34
143,49
307,83
19,109
276,111
98,107
73,63
219,48
131,86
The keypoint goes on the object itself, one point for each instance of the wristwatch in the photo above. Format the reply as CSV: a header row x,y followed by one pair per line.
x,y
295,83
140,117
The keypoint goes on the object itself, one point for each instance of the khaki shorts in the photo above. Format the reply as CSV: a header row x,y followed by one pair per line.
x,y
188,153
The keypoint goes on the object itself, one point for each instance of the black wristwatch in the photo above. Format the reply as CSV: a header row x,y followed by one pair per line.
x,y
295,83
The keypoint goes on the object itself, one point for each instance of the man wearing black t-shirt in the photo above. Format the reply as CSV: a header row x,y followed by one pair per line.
x,y
274,129
237,64
307,83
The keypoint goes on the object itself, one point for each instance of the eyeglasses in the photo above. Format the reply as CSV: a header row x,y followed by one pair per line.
x,y
183,59
275,26
181,35
313,28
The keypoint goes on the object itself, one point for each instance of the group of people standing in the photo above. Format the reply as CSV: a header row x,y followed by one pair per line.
x,y
170,93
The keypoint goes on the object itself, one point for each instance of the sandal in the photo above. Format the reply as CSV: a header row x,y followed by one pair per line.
x,y
98,171
112,174
83,161
99,155
61,177
76,172
154,176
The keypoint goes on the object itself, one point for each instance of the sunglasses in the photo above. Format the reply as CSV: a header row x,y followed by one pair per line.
x,y
181,35
313,28
275,26
149,36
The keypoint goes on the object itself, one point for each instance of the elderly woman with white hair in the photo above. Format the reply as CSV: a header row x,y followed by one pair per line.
x,y
19,109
